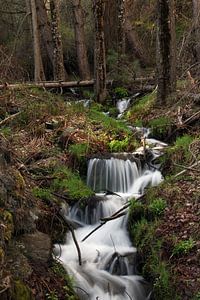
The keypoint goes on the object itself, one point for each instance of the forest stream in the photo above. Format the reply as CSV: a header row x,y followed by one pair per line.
x,y
108,259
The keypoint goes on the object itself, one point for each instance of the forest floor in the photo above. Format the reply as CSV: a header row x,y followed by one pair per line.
x,y
42,132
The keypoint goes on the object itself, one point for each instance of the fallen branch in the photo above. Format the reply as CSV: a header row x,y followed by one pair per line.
x,y
186,169
4,121
51,84
114,216
74,238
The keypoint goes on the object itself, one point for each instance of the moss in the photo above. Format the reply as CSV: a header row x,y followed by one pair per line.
x,y
19,182
79,150
21,291
142,108
160,127
7,219
2,255
70,183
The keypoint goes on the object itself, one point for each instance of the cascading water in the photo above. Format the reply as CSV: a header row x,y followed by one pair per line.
x,y
108,259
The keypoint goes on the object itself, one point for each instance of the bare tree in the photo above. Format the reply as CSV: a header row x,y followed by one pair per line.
x,y
99,51
79,22
38,65
59,69
166,50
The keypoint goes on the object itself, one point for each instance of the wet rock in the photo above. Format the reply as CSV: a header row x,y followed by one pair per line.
x,y
37,246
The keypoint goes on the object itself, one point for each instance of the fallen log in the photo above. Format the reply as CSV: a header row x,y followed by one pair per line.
x,y
51,84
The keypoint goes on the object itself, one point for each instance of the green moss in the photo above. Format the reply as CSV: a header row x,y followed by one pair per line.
x,y
70,183
79,150
160,127
120,92
42,193
6,218
21,291
141,109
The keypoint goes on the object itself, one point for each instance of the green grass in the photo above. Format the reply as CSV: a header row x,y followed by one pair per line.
x,y
183,247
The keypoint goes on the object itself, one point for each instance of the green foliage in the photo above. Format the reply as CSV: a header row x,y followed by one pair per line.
x,y
142,108
160,126
120,92
196,297
107,123
70,183
183,247
21,291
157,206
42,193
79,150
119,146
6,131
52,296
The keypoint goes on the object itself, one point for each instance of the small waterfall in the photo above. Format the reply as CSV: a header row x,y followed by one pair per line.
x,y
108,270
113,174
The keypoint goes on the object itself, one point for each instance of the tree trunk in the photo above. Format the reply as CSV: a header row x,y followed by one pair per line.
x,y
38,65
121,31
81,49
99,52
196,25
166,51
45,30
59,69
139,50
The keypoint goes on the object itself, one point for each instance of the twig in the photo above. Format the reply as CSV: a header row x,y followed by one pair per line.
x,y
185,170
114,216
4,121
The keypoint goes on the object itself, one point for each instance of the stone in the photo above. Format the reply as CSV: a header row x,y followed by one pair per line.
x,y
37,246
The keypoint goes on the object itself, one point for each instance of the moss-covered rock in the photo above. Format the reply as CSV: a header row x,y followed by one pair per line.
x,y
21,291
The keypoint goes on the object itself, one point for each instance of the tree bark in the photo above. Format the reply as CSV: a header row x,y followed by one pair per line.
x,y
45,30
166,51
121,31
99,52
38,65
196,25
84,69
59,69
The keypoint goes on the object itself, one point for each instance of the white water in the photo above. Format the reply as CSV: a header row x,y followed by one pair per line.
x,y
108,257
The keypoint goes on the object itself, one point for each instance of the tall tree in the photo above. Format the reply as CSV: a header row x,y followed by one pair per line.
x,y
84,69
196,24
166,50
121,29
38,65
45,31
59,69
99,51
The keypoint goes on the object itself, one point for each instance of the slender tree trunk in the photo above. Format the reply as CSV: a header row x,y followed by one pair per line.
x,y
110,28
196,24
166,50
121,31
99,52
137,46
39,70
59,69
84,69
45,30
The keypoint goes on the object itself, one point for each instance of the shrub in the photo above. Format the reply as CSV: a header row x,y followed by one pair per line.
x,y
120,92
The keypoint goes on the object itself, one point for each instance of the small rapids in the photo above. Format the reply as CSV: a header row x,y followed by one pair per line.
x,y
108,270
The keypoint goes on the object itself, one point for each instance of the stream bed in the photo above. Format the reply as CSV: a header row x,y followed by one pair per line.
x,y
108,268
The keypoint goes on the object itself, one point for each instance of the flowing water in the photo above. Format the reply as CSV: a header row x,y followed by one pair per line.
x,y
108,270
